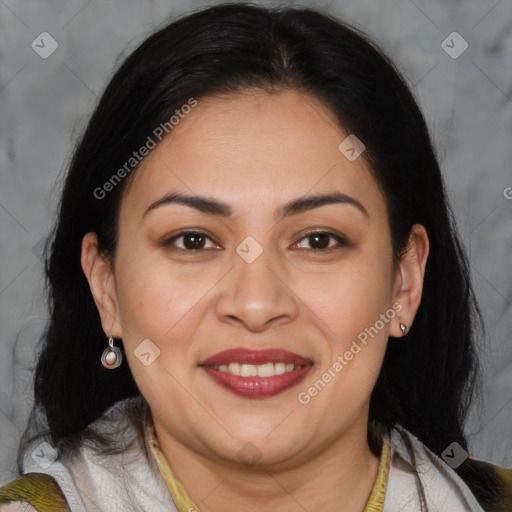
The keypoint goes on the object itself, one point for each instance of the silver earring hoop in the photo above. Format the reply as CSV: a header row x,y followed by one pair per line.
x,y
403,328
112,356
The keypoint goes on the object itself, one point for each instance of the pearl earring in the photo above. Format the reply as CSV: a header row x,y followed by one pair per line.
x,y
112,356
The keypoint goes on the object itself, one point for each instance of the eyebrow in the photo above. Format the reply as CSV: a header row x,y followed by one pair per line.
x,y
300,205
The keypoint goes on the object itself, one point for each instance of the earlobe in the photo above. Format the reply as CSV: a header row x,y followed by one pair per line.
x,y
99,274
410,277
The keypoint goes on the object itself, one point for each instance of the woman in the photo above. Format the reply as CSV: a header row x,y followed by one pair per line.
x,y
258,296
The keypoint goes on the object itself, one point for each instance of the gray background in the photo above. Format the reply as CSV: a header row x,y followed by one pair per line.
x,y
45,103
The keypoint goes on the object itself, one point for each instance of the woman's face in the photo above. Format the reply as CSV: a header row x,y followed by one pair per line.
x,y
255,277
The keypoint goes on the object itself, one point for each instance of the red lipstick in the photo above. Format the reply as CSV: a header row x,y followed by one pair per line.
x,y
248,356
257,386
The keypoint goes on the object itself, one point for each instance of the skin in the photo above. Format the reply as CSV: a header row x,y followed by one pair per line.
x,y
257,151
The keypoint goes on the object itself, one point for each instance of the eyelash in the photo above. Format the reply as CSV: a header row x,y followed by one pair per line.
x,y
342,242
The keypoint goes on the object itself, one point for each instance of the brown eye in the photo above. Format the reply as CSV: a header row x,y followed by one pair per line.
x,y
321,241
191,241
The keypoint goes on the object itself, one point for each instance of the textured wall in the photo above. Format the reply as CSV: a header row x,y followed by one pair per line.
x,y
45,102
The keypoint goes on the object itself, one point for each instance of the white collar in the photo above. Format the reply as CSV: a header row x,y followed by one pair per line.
x,y
130,481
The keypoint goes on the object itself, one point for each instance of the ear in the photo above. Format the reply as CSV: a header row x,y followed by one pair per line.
x,y
409,279
99,274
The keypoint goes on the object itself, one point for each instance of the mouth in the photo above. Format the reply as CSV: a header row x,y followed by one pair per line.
x,y
256,373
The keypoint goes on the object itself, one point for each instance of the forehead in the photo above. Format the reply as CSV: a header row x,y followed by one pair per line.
x,y
251,147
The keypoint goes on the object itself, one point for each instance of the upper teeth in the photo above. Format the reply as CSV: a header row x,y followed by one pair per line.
x,y
260,370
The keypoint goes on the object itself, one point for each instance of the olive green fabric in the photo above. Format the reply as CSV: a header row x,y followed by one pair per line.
x,y
38,489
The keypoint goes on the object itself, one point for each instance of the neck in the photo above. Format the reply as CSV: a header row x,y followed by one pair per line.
x,y
337,478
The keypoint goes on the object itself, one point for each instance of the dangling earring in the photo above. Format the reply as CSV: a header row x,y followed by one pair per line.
x,y
112,356
403,328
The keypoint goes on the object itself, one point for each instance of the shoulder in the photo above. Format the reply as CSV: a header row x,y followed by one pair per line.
x,y
33,492
119,476
470,485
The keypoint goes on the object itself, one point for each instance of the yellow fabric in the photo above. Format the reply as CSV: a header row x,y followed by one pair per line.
x,y
376,500
185,504
38,489
180,497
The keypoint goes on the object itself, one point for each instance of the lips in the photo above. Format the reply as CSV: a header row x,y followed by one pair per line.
x,y
256,386
247,356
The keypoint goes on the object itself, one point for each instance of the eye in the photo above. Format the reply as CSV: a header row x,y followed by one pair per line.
x,y
320,241
192,241
198,241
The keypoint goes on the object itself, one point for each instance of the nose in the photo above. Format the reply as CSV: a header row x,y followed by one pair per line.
x,y
257,295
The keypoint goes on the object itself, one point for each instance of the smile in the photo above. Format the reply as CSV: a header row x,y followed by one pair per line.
x,y
256,373
260,370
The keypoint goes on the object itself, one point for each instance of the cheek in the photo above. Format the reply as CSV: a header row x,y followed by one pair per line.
x,y
151,293
163,301
161,304
353,350
351,296
350,299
